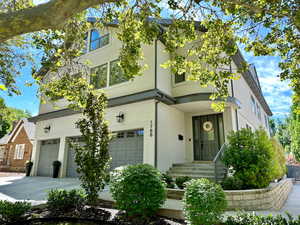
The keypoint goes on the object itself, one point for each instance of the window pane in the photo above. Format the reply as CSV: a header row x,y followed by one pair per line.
x,y
94,43
179,78
116,74
99,76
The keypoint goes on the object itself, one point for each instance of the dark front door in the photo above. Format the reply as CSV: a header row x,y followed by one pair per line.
x,y
208,136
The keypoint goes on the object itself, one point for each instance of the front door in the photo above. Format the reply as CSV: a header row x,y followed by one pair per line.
x,y
208,136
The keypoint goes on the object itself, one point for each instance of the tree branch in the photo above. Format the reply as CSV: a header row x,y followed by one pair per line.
x,y
44,16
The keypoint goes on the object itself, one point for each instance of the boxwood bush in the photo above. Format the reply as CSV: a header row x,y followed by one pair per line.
x,y
203,202
138,190
253,219
232,183
60,200
168,180
180,181
250,155
13,211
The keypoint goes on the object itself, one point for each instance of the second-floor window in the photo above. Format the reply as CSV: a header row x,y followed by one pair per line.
x,y
97,40
253,105
258,112
108,74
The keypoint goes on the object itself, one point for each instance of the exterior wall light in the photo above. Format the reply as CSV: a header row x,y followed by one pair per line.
x,y
120,117
47,129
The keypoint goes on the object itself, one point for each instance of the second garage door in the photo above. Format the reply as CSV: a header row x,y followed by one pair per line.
x,y
48,154
126,148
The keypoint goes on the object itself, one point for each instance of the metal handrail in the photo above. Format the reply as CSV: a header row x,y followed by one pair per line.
x,y
217,157
223,147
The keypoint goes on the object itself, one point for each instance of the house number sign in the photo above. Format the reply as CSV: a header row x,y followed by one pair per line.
x,y
207,126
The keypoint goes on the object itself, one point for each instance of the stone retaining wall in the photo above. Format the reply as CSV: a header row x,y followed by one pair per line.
x,y
272,197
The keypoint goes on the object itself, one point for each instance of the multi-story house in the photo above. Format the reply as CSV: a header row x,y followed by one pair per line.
x,y
159,119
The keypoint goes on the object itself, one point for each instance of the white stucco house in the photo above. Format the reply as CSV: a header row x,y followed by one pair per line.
x,y
160,119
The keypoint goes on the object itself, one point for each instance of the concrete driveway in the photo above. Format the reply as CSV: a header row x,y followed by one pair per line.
x,y
34,189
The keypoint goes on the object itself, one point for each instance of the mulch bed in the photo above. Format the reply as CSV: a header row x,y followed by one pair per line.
x,y
91,215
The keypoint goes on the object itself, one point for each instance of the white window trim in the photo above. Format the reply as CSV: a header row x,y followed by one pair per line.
x,y
19,151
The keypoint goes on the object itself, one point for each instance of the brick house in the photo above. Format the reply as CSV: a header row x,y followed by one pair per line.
x,y
16,147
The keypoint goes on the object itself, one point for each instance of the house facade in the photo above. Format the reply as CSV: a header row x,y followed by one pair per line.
x,y
16,147
158,118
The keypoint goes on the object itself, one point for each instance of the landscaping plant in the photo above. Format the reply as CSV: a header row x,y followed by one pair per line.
x,y
279,160
169,180
60,200
249,154
13,211
232,183
180,181
138,190
203,202
93,157
253,219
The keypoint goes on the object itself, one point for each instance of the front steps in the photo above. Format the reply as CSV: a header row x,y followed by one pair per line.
x,y
196,170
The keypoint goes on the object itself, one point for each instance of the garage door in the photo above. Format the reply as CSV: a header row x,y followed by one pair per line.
x,y
48,154
71,164
125,148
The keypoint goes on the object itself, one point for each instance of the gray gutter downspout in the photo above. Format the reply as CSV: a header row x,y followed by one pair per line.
x,y
232,94
156,105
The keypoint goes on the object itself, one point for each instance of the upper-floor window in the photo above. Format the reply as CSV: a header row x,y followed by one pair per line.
x,y
266,121
179,78
258,111
97,40
253,105
108,74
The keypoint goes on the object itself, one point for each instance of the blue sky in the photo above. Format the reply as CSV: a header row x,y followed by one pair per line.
x,y
276,92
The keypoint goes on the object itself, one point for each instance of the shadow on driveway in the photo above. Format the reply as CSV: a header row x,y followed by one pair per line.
x,y
33,188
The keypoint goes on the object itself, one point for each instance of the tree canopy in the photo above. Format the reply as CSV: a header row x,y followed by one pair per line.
x,y
8,116
58,28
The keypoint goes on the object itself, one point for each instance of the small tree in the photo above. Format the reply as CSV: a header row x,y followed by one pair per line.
x,y
93,157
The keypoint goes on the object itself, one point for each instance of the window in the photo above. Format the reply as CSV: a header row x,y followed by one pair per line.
x,y
99,76
253,105
258,111
97,41
117,76
19,151
2,150
179,78
266,121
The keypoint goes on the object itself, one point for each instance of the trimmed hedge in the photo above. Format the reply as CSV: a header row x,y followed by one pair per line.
x,y
13,211
138,190
203,202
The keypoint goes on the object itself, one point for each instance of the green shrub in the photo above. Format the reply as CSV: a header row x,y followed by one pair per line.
x,y
13,211
232,183
63,200
253,219
180,181
203,202
138,189
250,156
279,160
169,180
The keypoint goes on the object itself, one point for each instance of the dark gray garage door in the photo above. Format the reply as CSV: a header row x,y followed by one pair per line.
x,y
48,154
125,148
71,164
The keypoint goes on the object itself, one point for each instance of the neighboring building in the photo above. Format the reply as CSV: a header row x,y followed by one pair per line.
x,y
159,118
16,147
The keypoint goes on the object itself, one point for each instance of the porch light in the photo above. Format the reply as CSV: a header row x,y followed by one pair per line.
x,y
47,129
120,117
